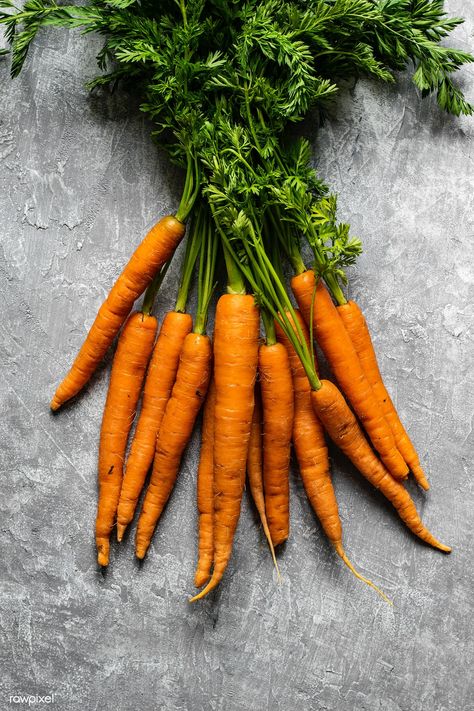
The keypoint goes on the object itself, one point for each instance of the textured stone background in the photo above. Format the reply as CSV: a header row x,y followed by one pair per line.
x,y
79,183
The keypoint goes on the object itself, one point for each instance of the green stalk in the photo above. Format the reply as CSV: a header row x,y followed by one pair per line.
x,y
235,281
192,250
207,267
290,245
269,326
153,289
191,188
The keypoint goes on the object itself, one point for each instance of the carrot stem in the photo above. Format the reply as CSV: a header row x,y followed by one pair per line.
x,y
269,326
207,265
191,188
153,289
192,250
235,282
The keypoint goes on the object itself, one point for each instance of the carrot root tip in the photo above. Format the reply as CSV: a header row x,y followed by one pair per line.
x,y
103,559
140,552
341,553
54,404
121,528
201,579
420,477
443,548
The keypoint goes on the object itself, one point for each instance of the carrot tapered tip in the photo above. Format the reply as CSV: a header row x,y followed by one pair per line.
x,y
140,552
201,578
120,531
55,404
342,554
420,477
103,558
442,547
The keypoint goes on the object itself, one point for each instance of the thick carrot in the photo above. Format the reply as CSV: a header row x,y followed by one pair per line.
x,y
255,471
156,249
278,409
236,334
356,326
128,371
341,425
187,396
336,345
312,453
156,393
205,492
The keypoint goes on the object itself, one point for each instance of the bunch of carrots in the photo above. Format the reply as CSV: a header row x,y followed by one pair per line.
x,y
222,81
259,397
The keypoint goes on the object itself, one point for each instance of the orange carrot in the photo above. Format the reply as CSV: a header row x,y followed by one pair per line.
x,y
128,371
356,326
156,393
187,396
156,249
310,444
235,364
278,410
312,453
205,492
255,471
334,341
342,427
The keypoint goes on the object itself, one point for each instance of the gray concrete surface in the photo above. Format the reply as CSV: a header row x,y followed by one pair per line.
x,y
79,183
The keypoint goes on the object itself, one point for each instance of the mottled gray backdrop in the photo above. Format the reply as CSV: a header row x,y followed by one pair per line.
x,y
80,181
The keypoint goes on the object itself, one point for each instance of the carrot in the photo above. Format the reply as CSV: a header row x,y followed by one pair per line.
x,y
312,453
255,471
156,393
278,410
156,249
235,365
356,326
334,341
187,396
341,425
205,492
128,371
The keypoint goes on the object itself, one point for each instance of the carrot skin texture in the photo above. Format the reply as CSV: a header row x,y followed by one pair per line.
x,y
310,444
236,335
159,382
334,341
276,385
205,492
150,255
128,371
341,425
255,470
356,326
187,396
312,453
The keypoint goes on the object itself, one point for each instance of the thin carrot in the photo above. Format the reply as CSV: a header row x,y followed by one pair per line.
x,y
235,364
151,254
341,425
334,341
128,371
356,326
312,453
255,471
278,409
205,492
156,393
187,396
